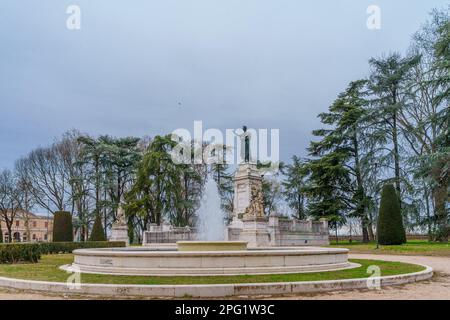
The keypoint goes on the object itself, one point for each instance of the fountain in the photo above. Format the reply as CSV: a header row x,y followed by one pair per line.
x,y
258,246
210,223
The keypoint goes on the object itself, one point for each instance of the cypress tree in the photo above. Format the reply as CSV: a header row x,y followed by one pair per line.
x,y
97,233
62,227
390,224
1,234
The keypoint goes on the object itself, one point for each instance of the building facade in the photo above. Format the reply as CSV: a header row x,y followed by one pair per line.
x,y
39,229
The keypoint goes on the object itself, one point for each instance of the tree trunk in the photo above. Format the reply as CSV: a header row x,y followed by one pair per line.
x,y
9,228
396,155
440,197
370,228
427,205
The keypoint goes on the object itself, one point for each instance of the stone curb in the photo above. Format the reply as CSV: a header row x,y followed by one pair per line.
x,y
220,290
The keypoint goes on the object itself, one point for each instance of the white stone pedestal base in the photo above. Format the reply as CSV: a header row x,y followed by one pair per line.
x,y
255,233
120,233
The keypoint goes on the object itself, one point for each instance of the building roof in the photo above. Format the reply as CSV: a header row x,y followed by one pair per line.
x,y
21,214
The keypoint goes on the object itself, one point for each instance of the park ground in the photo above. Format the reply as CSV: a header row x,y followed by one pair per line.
x,y
435,255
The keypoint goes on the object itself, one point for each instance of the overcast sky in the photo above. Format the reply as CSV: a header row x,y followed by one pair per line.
x,y
146,67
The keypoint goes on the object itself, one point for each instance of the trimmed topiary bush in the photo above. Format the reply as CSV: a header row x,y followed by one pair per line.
x,y
62,227
97,233
390,228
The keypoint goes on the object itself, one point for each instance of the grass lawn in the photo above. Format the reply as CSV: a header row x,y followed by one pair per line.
x,y
48,270
412,247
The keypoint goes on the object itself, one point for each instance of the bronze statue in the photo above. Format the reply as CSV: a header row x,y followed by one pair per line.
x,y
246,145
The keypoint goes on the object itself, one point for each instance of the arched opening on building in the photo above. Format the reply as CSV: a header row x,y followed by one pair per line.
x,y
16,236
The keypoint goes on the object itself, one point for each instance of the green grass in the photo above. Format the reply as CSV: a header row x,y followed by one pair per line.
x,y
412,247
48,270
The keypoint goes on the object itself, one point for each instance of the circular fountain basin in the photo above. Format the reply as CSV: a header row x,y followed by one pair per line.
x,y
196,259
212,245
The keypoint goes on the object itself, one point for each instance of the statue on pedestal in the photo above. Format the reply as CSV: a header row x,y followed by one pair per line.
x,y
245,145
119,231
120,218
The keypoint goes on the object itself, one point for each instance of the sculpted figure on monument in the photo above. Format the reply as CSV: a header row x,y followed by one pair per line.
x,y
256,208
120,219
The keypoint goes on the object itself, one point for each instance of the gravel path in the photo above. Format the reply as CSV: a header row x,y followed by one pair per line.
x,y
436,288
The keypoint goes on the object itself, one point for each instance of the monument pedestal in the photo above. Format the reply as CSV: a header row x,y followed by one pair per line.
x,y
120,233
255,233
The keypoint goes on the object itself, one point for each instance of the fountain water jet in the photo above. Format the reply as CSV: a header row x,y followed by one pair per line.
x,y
210,223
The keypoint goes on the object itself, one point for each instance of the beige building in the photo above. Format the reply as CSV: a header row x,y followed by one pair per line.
x,y
40,228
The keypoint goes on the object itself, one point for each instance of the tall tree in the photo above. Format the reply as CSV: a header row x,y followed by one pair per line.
x,y
92,154
25,187
421,120
343,140
294,187
120,158
388,85
48,177
158,187
10,200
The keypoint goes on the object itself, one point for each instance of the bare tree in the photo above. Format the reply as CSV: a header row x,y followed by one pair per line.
x,y
25,188
48,178
10,200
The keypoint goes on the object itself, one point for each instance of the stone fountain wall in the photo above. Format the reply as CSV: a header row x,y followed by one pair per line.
x,y
274,232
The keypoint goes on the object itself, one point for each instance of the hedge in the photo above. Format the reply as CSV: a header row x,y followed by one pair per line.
x,y
31,252
19,252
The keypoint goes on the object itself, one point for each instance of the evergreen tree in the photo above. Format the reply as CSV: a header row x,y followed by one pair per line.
x,y
97,233
1,234
62,227
389,89
390,223
341,157
294,187
157,189
328,187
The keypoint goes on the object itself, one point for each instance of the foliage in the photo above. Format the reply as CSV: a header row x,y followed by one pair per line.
x,y
294,187
157,189
31,252
18,252
390,223
68,247
62,227
97,233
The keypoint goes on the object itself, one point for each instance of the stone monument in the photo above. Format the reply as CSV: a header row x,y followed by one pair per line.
x,y
119,231
249,222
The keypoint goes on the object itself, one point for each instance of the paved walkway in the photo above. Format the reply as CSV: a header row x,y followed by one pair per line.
x,y
436,288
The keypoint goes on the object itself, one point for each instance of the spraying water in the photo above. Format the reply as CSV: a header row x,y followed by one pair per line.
x,y
210,216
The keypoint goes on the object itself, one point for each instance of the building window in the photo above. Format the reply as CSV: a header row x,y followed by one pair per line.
x,y
45,236
34,224
17,223
34,237
46,224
